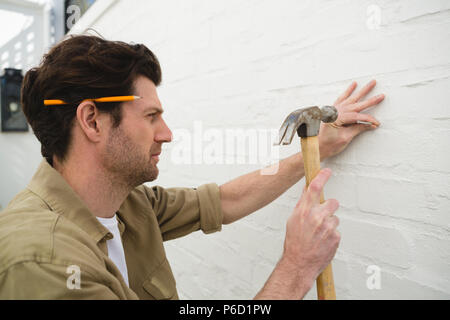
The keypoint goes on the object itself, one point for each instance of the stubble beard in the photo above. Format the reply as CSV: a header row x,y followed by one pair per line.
x,y
126,162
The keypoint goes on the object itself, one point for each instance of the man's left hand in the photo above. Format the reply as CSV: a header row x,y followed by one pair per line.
x,y
335,137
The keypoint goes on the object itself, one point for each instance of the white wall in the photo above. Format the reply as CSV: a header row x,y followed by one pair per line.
x,y
247,64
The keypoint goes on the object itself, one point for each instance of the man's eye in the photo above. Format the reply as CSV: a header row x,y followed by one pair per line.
x,y
152,115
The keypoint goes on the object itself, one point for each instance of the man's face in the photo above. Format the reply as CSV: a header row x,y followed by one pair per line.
x,y
131,150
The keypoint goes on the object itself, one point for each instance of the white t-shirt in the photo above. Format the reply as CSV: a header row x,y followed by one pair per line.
x,y
115,246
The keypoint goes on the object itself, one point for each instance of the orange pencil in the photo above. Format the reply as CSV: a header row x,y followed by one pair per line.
x,y
51,102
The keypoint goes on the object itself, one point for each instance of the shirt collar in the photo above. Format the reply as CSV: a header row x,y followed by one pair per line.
x,y
51,187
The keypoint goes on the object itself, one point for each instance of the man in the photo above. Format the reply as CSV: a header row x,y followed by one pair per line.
x,y
87,228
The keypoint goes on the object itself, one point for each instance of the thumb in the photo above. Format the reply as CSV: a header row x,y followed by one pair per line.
x,y
316,186
357,129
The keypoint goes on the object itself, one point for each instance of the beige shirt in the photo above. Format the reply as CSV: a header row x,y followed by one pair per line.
x,y
53,247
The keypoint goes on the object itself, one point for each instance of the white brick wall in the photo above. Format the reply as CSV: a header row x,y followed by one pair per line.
x,y
247,64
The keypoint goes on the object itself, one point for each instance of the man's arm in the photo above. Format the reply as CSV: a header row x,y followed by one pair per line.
x,y
252,191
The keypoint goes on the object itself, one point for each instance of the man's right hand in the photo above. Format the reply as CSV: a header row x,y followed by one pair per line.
x,y
310,244
311,236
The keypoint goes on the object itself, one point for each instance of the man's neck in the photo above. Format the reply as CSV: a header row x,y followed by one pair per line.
x,y
102,194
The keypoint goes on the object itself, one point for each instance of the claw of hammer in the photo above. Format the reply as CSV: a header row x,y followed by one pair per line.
x,y
306,122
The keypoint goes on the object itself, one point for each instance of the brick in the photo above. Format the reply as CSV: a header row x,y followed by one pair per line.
x,y
382,244
391,197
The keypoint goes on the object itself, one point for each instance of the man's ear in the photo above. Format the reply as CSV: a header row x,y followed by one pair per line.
x,y
91,121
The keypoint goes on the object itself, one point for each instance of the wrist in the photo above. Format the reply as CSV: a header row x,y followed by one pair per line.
x,y
323,153
302,278
297,168
287,282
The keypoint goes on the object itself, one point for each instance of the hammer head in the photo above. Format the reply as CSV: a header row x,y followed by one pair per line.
x,y
306,122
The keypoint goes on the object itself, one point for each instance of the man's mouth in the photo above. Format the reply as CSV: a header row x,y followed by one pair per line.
x,y
156,156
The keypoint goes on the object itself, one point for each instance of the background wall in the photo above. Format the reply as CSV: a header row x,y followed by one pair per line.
x,y
246,65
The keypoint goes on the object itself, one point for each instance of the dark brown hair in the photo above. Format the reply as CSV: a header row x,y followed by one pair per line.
x,y
80,67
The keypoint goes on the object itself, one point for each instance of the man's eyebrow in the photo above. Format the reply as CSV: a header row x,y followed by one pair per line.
x,y
153,108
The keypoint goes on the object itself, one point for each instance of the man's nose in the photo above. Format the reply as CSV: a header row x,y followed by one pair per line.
x,y
164,134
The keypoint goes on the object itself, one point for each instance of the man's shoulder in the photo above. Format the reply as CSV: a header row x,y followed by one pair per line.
x,y
26,199
37,234
143,197
140,197
25,234
144,193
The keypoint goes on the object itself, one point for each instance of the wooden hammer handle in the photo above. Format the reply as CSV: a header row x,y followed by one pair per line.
x,y
311,160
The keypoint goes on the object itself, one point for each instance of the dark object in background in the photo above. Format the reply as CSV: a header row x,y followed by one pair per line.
x,y
13,118
73,10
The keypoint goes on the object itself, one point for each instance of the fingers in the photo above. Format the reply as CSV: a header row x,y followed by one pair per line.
x,y
368,103
326,209
357,129
311,196
330,225
346,93
323,219
316,186
362,93
333,222
353,106
325,214
349,118
329,207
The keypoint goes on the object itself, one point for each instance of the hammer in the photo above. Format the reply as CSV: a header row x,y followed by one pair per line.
x,y
306,122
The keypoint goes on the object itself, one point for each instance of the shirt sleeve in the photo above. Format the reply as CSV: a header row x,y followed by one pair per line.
x,y
180,211
39,281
